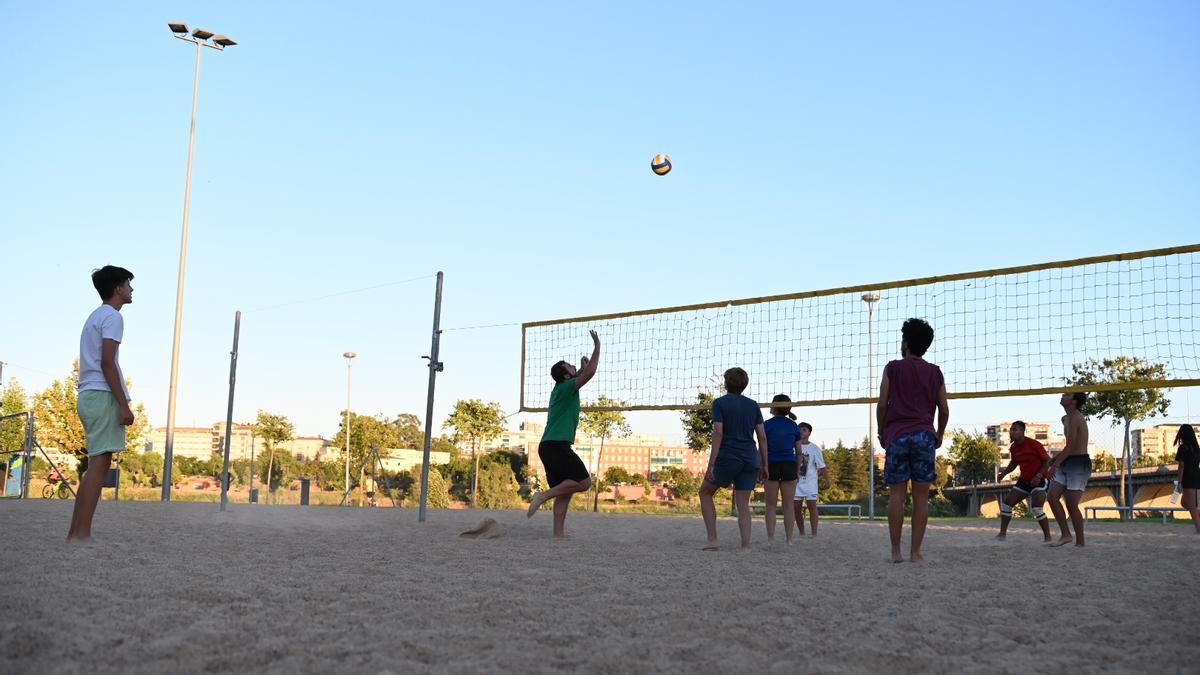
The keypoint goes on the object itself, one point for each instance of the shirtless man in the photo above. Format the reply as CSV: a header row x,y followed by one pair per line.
x,y
1071,469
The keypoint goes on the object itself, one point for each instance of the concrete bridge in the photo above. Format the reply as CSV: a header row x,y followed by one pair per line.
x,y
1151,487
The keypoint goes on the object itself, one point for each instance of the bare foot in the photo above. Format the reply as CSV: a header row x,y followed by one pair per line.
x,y
916,557
81,541
535,504
896,557
711,546
1002,537
1080,545
1062,541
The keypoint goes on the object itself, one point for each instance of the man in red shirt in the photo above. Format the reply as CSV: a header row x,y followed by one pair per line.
x,y
1032,484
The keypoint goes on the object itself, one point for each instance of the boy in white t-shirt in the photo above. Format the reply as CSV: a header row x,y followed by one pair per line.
x,y
103,403
812,474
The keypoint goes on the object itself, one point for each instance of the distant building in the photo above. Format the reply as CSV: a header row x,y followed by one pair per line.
x,y
194,442
404,459
305,448
1156,441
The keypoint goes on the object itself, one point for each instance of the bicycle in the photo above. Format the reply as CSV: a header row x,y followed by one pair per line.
x,y
57,488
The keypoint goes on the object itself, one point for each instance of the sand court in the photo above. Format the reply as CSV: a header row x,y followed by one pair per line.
x,y
185,588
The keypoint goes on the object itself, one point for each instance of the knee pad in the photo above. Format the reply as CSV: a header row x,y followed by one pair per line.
x,y
1005,509
1039,513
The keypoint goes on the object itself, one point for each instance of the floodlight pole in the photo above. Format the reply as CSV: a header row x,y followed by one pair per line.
x,y
233,355
870,299
172,392
435,367
349,356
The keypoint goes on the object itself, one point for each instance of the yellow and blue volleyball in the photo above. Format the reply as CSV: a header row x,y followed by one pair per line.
x,y
661,164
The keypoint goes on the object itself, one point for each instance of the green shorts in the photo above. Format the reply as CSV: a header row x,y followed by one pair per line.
x,y
101,419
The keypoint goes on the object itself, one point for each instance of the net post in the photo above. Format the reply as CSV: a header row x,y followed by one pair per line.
x,y
233,356
522,393
435,366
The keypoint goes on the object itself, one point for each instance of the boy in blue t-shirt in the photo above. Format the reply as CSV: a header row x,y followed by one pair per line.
x,y
737,422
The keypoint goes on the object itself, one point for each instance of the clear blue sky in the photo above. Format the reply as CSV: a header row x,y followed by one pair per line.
x,y
508,145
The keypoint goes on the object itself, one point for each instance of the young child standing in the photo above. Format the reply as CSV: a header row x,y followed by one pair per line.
x,y
737,422
812,459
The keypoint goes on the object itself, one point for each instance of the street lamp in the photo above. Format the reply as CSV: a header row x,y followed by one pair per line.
x,y
870,300
349,356
200,38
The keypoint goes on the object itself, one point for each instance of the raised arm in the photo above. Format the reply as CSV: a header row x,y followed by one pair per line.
x,y
589,365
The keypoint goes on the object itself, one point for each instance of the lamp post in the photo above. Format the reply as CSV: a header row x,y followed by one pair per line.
x,y
201,38
349,356
870,300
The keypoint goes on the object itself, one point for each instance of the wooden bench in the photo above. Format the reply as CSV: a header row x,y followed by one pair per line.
x,y
1165,510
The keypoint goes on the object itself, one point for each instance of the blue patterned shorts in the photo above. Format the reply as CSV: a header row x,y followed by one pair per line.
x,y
911,457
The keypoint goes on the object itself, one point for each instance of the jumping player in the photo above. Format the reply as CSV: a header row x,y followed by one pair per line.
x,y
1032,483
565,472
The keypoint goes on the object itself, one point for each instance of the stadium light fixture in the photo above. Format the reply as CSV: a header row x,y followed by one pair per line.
x,y
223,40
349,356
870,300
199,37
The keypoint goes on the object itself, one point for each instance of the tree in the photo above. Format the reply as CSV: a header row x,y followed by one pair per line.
x,y
617,475
975,457
409,433
58,424
1104,461
1126,405
273,429
685,485
475,422
12,431
498,487
439,490
697,423
603,424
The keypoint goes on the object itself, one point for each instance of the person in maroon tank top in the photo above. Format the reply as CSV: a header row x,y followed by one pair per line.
x,y
911,390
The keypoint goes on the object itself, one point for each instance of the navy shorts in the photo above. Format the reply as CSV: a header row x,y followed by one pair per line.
x,y
743,474
911,457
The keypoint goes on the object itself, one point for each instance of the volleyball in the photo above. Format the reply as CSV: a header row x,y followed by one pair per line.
x,y
661,164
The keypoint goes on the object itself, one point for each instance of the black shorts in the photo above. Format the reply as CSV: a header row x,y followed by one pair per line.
x,y
561,463
782,471
1030,488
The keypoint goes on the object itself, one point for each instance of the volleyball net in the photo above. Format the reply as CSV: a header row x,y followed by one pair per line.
x,y
1001,332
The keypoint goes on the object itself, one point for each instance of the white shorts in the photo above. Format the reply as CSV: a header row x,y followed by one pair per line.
x,y
800,495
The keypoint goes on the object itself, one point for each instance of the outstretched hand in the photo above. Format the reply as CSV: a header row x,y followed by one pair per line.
x,y
595,337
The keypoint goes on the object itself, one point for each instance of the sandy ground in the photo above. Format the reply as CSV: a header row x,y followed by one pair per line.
x,y
185,588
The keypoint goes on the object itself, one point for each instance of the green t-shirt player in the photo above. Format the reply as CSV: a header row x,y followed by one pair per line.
x,y
565,472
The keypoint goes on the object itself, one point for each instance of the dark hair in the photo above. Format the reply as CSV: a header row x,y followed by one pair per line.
x,y
782,409
736,380
1186,437
1018,423
918,335
559,371
1080,399
806,425
108,278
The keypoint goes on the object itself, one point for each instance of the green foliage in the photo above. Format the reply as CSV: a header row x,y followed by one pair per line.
x,y
1104,461
617,475
943,466
697,423
498,488
685,485
273,429
439,490
975,457
603,424
58,424
475,422
12,431
1125,405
